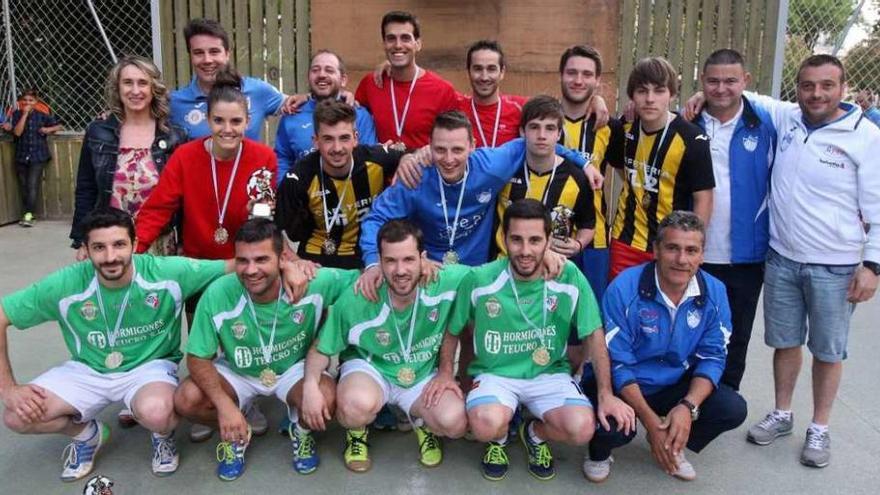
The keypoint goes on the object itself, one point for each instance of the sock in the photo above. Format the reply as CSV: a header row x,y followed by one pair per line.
x,y
817,428
302,430
783,413
358,432
501,440
533,435
88,432
417,422
162,435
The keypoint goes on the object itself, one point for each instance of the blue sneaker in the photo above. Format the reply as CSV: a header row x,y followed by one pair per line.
x,y
284,426
515,422
540,458
305,455
79,456
165,456
386,420
230,459
495,463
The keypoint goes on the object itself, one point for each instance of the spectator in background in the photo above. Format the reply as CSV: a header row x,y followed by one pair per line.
x,y
30,125
865,99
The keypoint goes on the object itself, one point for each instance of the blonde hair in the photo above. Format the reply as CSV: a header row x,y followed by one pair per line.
x,y
159,106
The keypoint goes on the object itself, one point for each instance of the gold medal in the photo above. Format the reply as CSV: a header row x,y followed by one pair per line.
x,y
541,356
450,258
646,200
268,378
221,235
329,246
406,376
113,360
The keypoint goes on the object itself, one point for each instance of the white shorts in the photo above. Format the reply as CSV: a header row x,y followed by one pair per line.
x,y
89,392
247,388
392,393
539,394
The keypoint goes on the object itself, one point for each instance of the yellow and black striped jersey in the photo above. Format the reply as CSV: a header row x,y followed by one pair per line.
x,y
304,191
579,135
569,198
661,177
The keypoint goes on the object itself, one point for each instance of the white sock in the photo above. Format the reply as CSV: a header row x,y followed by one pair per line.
x,y
302,430
161,435
534,435
417,422
88,432
501,440
783,413
817,428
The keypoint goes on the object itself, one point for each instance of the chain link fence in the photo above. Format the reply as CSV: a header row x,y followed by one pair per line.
x,y
849,29
64,48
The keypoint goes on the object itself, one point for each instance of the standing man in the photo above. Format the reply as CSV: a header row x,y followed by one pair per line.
x,y
668,323
741,138
208,46
249,340
120,316
389,352
295,137
521,323
824,188
405,106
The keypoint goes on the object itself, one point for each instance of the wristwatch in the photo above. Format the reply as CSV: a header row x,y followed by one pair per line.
x,y
693,408
873,266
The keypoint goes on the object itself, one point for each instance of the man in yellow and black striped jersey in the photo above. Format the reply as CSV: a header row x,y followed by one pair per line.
x,y
666,161
323,198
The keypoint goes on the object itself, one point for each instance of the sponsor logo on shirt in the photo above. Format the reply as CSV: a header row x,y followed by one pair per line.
x,y
97,339
493,307
239,329
693,318
750,142
492,342
152,300
383,337
701,137
298,316
649,319
484,197
88,311
242,357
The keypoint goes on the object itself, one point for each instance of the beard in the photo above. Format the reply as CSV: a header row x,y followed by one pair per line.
x,y
104,268
525,272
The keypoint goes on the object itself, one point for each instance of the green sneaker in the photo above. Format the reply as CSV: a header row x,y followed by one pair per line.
x,y
27,220
430,450
495,463
357,455
540,458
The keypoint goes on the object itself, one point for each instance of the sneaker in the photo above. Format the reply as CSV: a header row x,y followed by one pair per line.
x,y
515,422
79,456
27,220
768,429
126,418
199,433
817,449
495,462
284,426
386,420
305,454
403,422
597,471
685,470
357,454
540,458
165,456
230,459
430,450
257,420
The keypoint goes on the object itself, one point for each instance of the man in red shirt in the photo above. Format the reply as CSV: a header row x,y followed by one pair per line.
x,y
405,105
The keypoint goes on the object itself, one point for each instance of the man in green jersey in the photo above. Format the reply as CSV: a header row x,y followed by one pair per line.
x,y
120,318
389,351
248,340
521,326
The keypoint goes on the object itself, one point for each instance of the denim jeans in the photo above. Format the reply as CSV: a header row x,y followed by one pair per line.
x,y
30,177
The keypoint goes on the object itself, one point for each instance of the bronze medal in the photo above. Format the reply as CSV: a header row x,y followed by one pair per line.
x,y
541,356
113,360
221,235
406,376
450,258
268,378
329,246
646,200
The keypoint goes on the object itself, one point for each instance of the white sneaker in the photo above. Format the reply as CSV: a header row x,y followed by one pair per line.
x,y
165,456
597,471
257,420
199,433
79,456
685,471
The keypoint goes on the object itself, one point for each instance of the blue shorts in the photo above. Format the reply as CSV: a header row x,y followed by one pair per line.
x,y
802,300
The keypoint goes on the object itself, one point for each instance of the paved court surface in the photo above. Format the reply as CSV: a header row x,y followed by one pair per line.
x,y
31,464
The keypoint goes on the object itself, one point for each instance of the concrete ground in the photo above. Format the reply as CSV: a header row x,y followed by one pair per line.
x,y
32,464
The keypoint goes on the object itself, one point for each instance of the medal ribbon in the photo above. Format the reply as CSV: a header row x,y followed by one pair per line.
x,y
111,336
400,121
266,350
406,349
221,211
331,221
454,227
543,329
480,125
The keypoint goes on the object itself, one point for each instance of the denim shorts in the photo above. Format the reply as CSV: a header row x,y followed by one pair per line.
x,y
802,300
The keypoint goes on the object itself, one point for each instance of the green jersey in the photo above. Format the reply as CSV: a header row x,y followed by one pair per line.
x,y
402,345
515,335
149,327
224,321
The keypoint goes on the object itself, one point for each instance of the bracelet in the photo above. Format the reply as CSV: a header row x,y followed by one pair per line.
x,y
580,245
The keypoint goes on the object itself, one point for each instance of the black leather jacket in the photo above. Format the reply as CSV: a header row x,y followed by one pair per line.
x,y
97,165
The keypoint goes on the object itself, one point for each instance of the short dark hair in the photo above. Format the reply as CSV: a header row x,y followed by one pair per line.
x,y
526,209
585,51
652,70
724,56
541,107
490,45
227,88
401,17
330,111
207,27
686,221
820,60
33,92
399,230
258,229
451,121
105,217
324,51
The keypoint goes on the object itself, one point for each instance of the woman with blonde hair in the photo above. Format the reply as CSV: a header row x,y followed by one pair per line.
x,y
124,152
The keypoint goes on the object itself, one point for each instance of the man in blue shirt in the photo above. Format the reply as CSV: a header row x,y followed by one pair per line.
x,y
667,326
293,141
208,46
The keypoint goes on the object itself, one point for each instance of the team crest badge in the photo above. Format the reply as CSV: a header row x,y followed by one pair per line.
x,y
298,316
552,303
195,117
750,143
88,311
434,315
693,318
152,300
239,329
493,307
484,197
383,337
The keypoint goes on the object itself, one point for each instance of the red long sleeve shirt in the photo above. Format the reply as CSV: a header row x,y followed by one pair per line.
x,y
186,182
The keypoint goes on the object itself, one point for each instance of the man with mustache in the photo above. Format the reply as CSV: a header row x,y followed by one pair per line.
x,y
388,350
